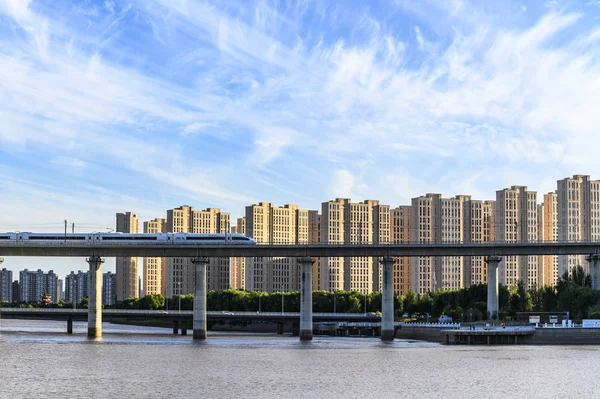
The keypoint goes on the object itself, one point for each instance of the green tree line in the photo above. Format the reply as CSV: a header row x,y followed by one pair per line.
x,y
573,293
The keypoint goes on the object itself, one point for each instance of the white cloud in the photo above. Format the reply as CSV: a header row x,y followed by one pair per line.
x,y
226,104
75,163
344,184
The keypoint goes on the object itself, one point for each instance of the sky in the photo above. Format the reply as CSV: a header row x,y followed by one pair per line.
x,y
145,105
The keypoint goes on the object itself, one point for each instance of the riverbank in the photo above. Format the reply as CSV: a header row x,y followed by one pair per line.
x,y
501,335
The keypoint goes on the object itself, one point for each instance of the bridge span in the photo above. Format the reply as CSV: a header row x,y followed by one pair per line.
x,y
200,254
160,249
182,318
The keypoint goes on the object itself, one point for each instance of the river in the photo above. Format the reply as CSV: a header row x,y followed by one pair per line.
x,y
38,360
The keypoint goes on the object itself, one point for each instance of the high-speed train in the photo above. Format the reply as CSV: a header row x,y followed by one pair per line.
x,y
121,238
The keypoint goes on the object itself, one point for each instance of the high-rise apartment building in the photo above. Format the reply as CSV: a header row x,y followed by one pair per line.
x,y
401,234
16,291
516,221
438,220
109,288
155,268
6,280
578,207
479,225
77,286
32,285
181,276
268,224
548,232
434,219
344,222
314,237
237,275
127,268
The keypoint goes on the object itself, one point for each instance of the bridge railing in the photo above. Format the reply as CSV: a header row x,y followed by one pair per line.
x,y
185,312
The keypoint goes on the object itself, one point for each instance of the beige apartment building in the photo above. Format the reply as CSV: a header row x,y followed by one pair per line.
x,y
479,227
438,220
314,237
400,231
155,268
127,268
344,222
181,277
434,219
268,224
548,232
578,207
237,275
516,221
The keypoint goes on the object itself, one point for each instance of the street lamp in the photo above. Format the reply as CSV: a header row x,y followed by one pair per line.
x,y
282,302
365,304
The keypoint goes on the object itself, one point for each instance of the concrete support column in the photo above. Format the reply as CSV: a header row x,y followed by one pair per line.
x,y
306,303
594,260
95,297
387,300
492,297
70,325
200,298
175,327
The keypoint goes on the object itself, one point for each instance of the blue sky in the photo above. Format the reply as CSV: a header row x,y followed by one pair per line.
x,y
109,106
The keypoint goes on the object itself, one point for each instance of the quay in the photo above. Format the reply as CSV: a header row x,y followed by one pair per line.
x,y
542,334
488,335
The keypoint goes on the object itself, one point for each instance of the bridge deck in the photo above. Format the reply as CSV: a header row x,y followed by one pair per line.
x,y
70,249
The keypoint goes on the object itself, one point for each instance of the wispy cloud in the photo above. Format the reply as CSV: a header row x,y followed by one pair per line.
x,y
227,103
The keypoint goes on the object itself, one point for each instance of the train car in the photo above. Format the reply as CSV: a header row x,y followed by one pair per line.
x,y
52,237
132,237
217,238
8,237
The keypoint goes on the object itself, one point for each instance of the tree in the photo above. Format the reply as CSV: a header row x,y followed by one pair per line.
x,y
410,302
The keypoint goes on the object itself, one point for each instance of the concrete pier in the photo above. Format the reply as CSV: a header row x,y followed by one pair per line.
x,y
492,297
306,311
200,298
95,297
594,260
70,325
175,327
387,300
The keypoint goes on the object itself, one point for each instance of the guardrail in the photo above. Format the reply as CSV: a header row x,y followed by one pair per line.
x,y
185,313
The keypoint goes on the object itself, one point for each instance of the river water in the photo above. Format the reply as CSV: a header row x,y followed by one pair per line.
x,y
38,360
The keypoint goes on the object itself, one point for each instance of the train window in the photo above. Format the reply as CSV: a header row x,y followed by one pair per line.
x,y
4,237
120,238
56,238
204,238
240,238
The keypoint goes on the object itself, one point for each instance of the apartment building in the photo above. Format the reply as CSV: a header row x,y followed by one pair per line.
x,y
516,221
6,281
548,232
400,232
479,226
109,288
269,224
345,222
77,286
438,220
578,207
32,285
155,268
127,269
180,276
